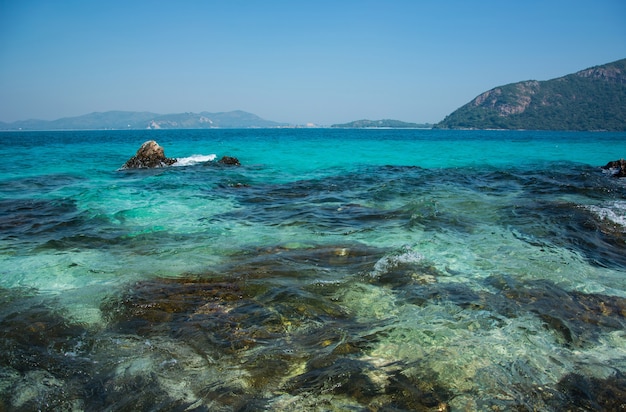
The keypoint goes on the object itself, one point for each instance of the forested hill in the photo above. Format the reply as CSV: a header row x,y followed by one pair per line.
x,y
591,99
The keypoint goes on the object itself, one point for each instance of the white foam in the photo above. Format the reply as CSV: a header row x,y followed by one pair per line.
x,y
387,263
194,159
614,212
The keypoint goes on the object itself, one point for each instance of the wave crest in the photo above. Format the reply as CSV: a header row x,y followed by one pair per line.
x,y
404,257
194,159
614,213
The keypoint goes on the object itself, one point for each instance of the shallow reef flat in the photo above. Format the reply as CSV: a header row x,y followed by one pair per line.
x,y
275,331
327,270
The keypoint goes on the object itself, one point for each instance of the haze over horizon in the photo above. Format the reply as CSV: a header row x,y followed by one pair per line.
x,y
323,62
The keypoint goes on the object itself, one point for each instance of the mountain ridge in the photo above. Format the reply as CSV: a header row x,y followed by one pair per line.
x,y
590,99
130,120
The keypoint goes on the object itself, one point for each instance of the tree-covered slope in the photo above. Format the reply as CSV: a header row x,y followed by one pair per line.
x,y
591,99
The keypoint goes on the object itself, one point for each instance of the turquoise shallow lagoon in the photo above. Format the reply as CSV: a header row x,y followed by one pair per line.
x,y
332,270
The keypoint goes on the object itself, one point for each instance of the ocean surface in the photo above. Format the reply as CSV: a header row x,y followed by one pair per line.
x,y
334,270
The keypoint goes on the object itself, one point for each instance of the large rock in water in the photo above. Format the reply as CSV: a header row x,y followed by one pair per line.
x,y
229,161
149,155
616,167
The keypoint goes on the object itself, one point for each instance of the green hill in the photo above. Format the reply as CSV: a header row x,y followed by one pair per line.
x,y
591,99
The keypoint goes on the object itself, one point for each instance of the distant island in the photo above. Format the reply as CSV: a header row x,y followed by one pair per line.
x,y
119,120
591,99
384,123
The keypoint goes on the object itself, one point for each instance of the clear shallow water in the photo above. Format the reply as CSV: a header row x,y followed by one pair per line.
x,y
335,269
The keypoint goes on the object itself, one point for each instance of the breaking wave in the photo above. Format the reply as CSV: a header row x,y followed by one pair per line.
x,y
194,159
402,258
614,213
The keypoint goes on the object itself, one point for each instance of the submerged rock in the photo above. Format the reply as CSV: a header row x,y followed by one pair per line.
x,y
577,318
579,392
149,155
617,168
345,376
43,362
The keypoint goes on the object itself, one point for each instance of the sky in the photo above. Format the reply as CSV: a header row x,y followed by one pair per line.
x,y
298,62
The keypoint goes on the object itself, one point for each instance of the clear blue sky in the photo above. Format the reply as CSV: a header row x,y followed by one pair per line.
x,y
291,61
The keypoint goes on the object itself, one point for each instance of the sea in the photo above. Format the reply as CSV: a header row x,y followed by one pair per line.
x,y
332,270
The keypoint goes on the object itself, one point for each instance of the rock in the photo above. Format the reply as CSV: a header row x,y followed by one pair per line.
x,y
149,155
229,161
576,391
617,168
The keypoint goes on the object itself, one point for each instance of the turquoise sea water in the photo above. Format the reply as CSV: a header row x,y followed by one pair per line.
x,y
332,270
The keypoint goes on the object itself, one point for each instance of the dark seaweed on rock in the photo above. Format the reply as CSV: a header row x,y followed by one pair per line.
x,y
305,263
37,336
353,378
42,359
250,319
39,184
134,393
579,392
55,224
327,206
577,317
570,226
270,327
30,217
454,292
417,393
238,310
303,204
542,220
344,376
208,313
573,392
